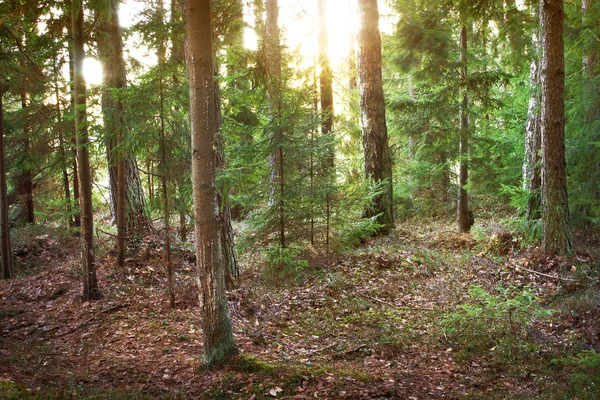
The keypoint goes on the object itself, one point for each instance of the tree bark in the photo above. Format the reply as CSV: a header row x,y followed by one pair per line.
x,y
76,210
127,195
556,236
24,181
276,160
161,52
61,149
378,161
5,247
90,283
216,322
463,217
532,178
232,270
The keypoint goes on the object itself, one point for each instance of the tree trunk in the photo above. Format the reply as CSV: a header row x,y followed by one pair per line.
x,y
5,247
216,322
163,158
378,161
61,150
90,284
326,91
24,181
76,210
276,161
532,178
463,216
556,236
127,196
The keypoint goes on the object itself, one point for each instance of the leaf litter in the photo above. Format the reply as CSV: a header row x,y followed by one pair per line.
x,y
363,325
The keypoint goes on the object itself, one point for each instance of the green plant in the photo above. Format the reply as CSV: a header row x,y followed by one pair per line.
x,y
494,322
285,260
585,375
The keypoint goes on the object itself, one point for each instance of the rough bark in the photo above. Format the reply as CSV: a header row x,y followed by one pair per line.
x,y
23,182
163,159
90,283
532,178
5,247
61,150
463,217
556,236
232,269
216,322
126,194
378,161
276,161
76,210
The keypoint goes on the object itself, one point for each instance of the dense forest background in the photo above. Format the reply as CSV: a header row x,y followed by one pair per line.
x,y
337,172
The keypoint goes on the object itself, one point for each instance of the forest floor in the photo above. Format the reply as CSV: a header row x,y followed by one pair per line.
x,y
424,313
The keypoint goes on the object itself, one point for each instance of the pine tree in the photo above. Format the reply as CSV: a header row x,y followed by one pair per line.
x,y
378,161
216,323
90,283
556,237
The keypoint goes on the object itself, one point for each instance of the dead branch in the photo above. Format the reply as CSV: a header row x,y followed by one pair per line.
x,y
546,275
90,319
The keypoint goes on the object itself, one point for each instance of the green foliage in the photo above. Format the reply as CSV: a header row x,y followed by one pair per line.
x,y
496,323
285,261
584,374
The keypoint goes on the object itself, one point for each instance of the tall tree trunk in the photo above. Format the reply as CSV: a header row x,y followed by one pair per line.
x,y
25,180
90,283
61,149
162,58
276,161
463,218
326,91
127,196
216,322
378,160
232,270
5,247
532,178
556,236
76,210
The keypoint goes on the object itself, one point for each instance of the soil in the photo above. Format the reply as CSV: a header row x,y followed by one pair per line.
x,y
368,324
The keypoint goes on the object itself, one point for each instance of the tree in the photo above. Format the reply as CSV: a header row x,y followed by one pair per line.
x,y
90,283
216,322
5,247
464,218
127,197
556,236
532,179
110,48
378,160
276,161
326,92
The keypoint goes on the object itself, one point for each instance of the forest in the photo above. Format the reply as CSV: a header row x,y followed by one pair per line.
x,y
294,199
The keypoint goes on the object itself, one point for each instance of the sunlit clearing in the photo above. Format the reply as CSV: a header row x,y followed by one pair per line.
x,y
92,72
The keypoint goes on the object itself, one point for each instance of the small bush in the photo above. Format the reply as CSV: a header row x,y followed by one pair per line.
x,y
285,261
585,374
494,322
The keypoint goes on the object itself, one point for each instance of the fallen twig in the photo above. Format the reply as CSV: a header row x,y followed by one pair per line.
x,y
322,349
93,317
546,275
255,332
385,303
